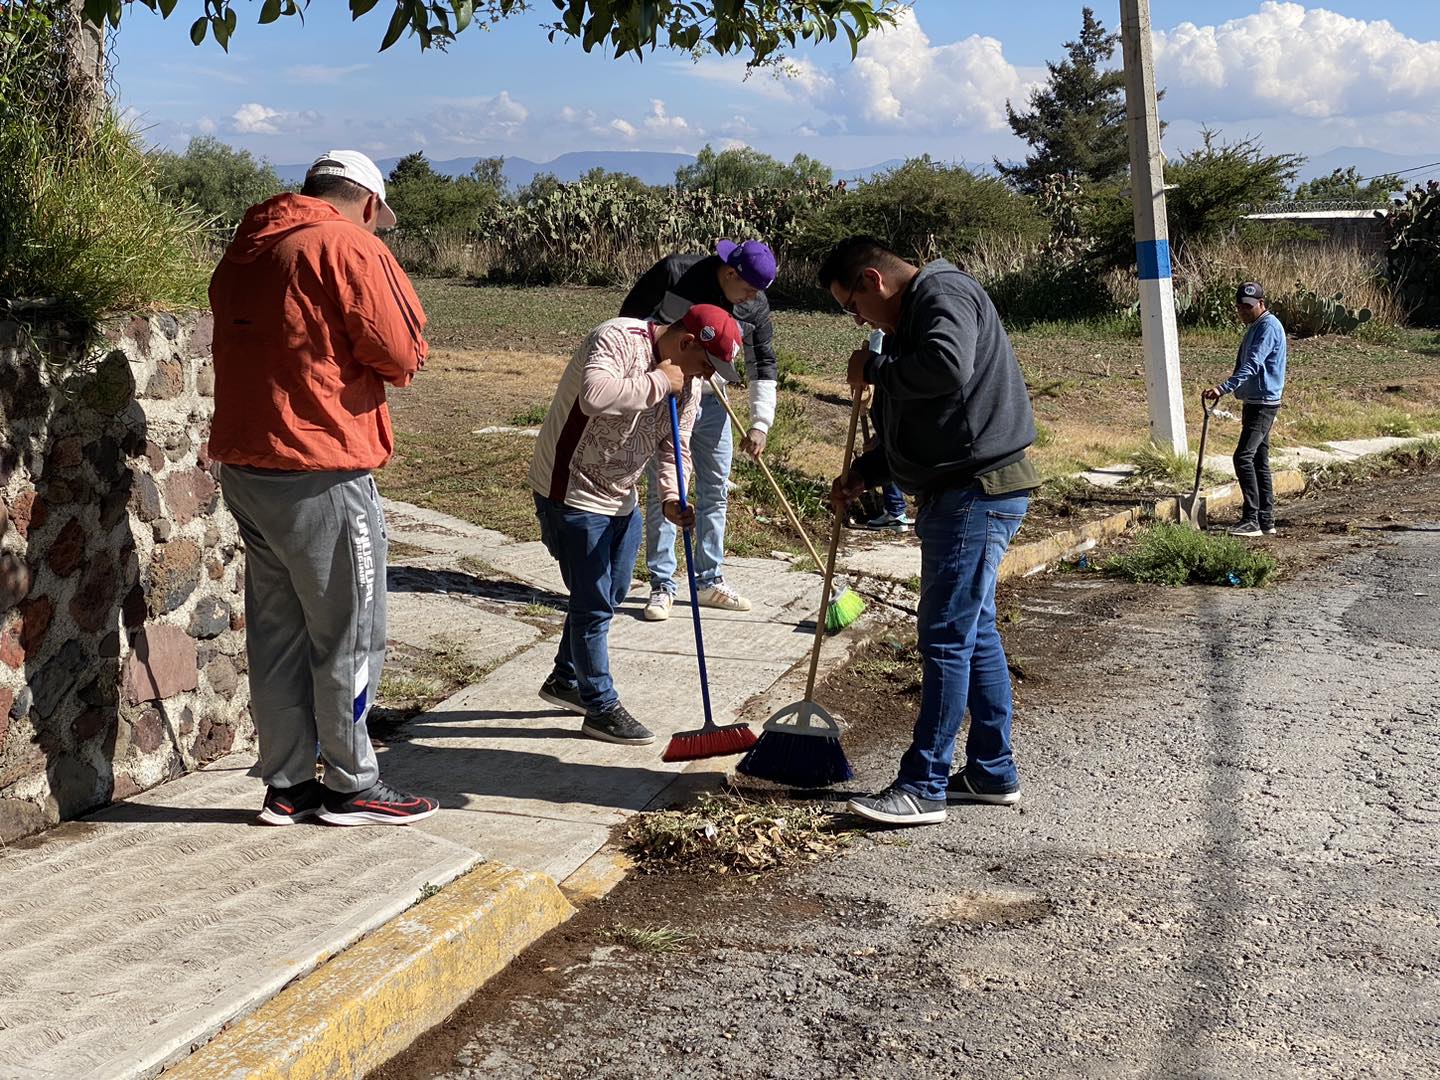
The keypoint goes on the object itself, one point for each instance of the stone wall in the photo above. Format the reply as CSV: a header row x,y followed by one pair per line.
x,y
122,660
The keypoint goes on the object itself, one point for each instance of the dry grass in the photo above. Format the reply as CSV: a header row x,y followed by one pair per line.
x,y
730,834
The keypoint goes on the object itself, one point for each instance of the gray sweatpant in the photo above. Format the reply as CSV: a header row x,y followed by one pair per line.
x,y
314,618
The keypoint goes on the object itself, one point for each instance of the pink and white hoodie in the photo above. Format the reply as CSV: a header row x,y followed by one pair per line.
x,y
610,414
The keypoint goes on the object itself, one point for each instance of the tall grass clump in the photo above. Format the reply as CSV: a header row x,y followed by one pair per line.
x,y
1170,554
83,228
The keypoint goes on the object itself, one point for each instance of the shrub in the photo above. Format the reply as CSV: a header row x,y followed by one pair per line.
x,y
83,224
1412,263
1170,554
221,181
924,209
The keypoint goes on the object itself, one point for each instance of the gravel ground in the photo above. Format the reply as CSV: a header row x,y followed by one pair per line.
x,y
1226,863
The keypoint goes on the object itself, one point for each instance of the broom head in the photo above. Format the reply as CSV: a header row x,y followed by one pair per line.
x,y
843,610
799,747
709,741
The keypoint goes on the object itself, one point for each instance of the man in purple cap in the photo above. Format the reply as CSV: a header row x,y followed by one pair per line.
x,y
733,279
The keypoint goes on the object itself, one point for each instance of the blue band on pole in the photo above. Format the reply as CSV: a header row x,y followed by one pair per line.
x,y
1152,257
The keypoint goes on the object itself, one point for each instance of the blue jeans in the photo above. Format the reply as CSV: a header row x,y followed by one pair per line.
x,y
963,536
894,500
596,554
711,451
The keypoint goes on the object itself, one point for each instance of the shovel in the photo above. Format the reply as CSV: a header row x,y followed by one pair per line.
x,y
1191,508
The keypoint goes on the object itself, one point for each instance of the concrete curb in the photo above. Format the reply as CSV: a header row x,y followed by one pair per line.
x,y
377,997
1027,559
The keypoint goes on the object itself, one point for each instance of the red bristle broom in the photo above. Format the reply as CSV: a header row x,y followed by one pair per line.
x,y
712,740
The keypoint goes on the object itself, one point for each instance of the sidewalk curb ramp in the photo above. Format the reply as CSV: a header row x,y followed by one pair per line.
x,y
364,1006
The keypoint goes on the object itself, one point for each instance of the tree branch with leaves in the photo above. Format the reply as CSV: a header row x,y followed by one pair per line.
x,y
759,29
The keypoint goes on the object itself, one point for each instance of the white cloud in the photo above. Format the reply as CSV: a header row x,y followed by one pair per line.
x,y
1287,59
257,119
323,74
656,126
473,120
659,123
206,126
623,128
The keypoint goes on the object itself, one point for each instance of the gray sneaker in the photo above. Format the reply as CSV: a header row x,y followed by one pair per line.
x,y
562,696
1247,528
964,788
616,725
896,807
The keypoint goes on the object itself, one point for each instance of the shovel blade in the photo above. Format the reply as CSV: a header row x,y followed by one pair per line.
x,y
1190,510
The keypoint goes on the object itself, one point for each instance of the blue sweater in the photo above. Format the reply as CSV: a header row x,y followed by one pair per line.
x,y
1259,377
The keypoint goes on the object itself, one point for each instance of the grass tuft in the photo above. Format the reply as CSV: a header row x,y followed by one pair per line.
x,y
1170,554
658,939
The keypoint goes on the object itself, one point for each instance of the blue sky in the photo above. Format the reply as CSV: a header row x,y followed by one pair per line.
x,y
1305,77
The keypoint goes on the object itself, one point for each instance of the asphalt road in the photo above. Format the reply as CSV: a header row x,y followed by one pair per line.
x,y
1226,865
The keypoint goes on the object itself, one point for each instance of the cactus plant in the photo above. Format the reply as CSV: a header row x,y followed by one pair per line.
x,y
1306,313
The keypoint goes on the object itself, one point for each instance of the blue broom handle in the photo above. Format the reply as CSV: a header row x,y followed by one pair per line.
x,y
690,561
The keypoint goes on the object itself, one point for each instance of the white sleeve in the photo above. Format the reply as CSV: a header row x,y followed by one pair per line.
x,y
762,403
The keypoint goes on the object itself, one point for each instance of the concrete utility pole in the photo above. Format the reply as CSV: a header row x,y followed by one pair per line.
x,y
1152,237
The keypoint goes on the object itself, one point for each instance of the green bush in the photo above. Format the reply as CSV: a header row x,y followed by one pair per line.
x,y
923,210
1046,289
220,180
83,225
1412,263
1170,554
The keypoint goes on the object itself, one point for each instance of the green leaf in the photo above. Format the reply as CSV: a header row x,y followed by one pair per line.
x,y
96,11
270,12
221,32
398,22
166,7
197,30
361,7
464,12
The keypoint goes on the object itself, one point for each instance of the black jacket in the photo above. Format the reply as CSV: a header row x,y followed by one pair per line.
x,y
669,288
951,401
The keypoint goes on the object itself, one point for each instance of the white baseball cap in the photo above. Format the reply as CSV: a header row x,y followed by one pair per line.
x,y
357,168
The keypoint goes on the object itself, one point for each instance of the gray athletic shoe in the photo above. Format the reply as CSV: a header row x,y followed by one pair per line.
x,y
896,807
616,725
965,788
562,696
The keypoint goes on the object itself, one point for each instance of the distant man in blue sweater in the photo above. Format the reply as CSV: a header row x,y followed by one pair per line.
x,y
1258,383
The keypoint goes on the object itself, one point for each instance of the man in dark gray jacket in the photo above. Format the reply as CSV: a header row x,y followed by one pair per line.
x,y
954,423
734,279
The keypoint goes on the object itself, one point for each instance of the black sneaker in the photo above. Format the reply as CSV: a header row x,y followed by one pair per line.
x,y
378,804
1247,528
562,696
616,725
1268,529
287,805
965,788
896,807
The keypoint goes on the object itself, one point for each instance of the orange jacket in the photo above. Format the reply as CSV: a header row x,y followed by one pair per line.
x,y
313,316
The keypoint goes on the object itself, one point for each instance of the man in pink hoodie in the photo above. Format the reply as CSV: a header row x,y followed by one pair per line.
x,y
610,414
313,317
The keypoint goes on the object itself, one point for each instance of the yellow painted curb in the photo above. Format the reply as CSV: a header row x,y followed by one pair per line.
x,y
366,1005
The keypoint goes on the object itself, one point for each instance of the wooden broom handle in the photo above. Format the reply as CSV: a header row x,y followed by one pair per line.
x,y
857,406
774,484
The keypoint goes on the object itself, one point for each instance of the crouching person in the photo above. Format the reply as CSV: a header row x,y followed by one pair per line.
x,y
610,414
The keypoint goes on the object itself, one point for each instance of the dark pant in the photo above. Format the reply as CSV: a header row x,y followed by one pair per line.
x,y
1252,462
894,500
596,554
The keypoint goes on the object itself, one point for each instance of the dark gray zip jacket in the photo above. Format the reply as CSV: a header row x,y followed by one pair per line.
x,y
951,402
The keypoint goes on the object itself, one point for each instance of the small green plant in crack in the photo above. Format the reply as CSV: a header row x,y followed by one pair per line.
x,y
658,939
428,890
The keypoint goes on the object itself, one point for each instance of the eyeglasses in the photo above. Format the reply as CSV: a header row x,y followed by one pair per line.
x,y
848,306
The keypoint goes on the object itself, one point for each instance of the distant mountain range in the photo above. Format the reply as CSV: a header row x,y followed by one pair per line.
x,y
659,169
648,166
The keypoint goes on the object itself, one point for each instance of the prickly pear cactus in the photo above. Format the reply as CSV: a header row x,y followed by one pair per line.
x,y
1412,230
1306,313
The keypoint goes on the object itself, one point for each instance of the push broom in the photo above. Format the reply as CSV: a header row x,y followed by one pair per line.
x,y
712,740
847,605
800,744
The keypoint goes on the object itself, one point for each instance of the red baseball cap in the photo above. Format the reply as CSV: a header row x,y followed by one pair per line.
x,y
719,335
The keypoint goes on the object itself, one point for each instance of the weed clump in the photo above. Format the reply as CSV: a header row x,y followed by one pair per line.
x,y
1169,554
729,834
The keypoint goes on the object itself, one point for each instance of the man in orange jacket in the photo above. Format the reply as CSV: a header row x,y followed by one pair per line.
x,y
313,316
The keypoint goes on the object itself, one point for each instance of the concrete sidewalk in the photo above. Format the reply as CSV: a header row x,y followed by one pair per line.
x,y
134,936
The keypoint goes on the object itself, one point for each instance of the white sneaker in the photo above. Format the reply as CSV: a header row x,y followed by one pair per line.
x,y
658,609
722,596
